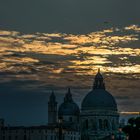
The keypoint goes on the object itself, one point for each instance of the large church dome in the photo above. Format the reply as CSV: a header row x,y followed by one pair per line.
x,y
68,107
99,98
99,114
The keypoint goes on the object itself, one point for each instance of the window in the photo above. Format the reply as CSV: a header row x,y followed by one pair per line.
x,y
70,119
71,137
94,127
106,125
86,124
100,124
113,125
16,137
77,119
63,137
25,138
51,137
9,137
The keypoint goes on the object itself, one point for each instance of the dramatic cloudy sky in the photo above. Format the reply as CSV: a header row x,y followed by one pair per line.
x,y
54,44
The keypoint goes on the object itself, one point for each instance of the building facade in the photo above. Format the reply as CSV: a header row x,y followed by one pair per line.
x,y
37,133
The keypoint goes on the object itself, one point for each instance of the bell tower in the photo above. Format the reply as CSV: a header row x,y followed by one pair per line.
x,y
52,109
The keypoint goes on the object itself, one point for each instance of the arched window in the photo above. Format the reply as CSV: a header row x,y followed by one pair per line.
x,y
70,119
94,127
86,124
10,137
106,124
25,138
113,125
78,119
100,124
16,137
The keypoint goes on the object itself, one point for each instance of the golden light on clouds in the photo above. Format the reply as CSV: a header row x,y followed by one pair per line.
x,y
125,69
60,60
60,53
21,60
133,27
130,113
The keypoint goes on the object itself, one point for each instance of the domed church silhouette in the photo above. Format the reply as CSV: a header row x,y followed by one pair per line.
x,y
98,117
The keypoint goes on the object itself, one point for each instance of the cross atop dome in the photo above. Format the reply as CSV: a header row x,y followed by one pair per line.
x,y
98,70
68,96
99,81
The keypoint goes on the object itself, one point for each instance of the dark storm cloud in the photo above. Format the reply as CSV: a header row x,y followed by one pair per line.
x,y
67,15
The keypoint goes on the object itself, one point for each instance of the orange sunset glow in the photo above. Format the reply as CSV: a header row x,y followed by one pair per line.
x,y
58,58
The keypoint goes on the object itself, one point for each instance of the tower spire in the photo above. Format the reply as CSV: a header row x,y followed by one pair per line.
x,y
52,109
99,81
52,97
98,70
68,96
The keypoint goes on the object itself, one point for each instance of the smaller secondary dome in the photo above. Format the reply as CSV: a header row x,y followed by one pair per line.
x,y
68,107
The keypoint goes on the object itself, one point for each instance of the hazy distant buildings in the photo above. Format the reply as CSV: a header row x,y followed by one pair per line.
x,y
125,116
97,120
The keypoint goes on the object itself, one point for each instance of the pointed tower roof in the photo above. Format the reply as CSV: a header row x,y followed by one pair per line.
x,y
98,75
98,81
52,98
68,96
